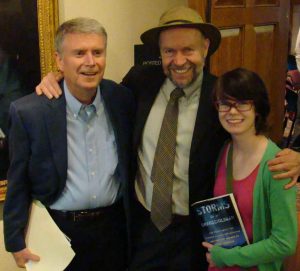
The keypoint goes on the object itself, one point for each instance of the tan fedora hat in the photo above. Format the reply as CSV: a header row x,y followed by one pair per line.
x,y
183,17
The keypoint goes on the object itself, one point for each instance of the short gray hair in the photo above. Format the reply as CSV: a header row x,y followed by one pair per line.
x,y
78,25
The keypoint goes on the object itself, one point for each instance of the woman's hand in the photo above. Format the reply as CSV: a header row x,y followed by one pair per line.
x,y
208,255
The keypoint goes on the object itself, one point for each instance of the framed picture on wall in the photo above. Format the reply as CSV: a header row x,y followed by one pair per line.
x,y
27,30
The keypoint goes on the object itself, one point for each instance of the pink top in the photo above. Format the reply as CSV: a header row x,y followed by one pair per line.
x,y
243,191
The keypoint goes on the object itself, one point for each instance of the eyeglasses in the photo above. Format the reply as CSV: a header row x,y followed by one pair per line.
x,y
241,106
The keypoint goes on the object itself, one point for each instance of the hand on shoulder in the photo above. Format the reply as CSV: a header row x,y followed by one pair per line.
x,y
49,85
287,162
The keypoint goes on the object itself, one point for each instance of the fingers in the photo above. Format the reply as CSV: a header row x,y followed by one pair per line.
x,y
23,256
286,175
290,170
51,88
291,183
281,157
287,163
34,257
40,90
207,245
209,260
284,152
282,163
49,85
286,170
208,255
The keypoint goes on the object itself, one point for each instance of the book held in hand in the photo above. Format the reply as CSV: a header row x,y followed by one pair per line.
x,y
220,221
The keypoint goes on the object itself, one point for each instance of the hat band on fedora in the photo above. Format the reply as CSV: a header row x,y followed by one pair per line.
x,y
178,21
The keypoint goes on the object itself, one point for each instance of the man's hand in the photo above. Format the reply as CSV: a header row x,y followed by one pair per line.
x,y
23,256
288,161
49,85
208,255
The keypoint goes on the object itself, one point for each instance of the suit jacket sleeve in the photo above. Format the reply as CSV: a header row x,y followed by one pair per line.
x,y
16,207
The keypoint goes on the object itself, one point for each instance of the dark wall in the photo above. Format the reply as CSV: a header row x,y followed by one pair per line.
x,y
19,59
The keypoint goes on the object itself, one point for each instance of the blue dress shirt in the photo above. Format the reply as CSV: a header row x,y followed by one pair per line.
x,y
92,179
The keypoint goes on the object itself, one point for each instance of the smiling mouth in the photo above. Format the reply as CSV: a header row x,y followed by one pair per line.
x,y
89,73
181,71
234,121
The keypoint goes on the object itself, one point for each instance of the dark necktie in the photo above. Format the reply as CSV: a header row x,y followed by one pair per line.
x,y
87,112
163,164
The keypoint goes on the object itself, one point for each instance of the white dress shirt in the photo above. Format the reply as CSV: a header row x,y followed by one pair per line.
x,y
188,107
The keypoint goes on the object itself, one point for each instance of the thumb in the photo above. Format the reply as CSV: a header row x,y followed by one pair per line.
x,y
207,245
33,257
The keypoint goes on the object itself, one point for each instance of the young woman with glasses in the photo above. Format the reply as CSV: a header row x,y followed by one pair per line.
x,y
268,210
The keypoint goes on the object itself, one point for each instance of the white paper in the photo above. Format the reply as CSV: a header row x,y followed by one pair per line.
x,y
46,240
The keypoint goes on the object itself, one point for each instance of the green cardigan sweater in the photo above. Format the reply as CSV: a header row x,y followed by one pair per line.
x,y
274,224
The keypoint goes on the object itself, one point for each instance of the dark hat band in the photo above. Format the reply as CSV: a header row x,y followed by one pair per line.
x,y
178,21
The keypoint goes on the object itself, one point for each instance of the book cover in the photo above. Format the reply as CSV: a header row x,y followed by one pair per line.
x,y
220,221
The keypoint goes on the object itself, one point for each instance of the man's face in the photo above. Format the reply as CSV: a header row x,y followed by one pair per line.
x,y
183,52
82,60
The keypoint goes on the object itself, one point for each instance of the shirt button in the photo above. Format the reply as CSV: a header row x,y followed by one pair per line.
x,y
91,150
94,197
92,173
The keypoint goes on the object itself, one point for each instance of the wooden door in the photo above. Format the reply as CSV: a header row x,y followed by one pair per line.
x,y
254,36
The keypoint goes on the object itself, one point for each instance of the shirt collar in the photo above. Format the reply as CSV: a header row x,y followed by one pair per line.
x,y
75,105
188,91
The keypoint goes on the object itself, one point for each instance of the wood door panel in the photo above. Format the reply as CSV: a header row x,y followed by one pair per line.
x,y
231,3
262,63
229,17
229,55
264,38
261,45
266,2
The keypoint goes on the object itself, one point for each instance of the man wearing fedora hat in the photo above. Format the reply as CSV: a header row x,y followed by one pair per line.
x,y
184,41
177,138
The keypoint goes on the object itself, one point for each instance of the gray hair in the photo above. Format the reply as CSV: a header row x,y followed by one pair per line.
x,y
78,25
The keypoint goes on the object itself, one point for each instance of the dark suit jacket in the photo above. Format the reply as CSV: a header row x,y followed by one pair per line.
x,y
38,153
208,137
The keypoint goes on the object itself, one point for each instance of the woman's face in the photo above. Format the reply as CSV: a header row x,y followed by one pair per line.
x,y
237,116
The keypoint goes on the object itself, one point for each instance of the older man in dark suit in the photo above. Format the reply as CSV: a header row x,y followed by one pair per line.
x,y
72,155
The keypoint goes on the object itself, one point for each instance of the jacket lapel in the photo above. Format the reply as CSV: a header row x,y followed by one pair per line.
x,y
145,102
55,119
202,120
109,103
